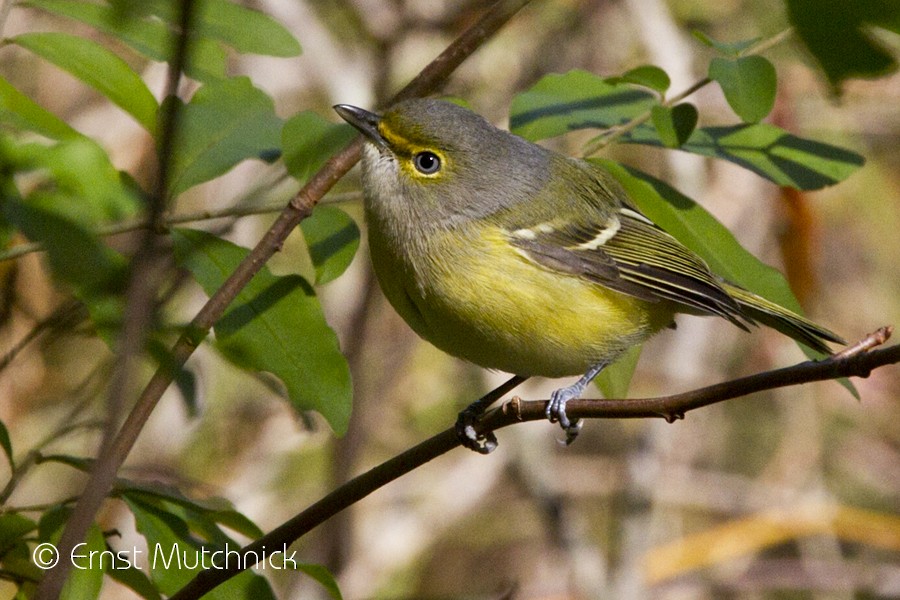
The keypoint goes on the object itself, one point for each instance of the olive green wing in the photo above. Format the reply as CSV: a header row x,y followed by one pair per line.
x,y
626,252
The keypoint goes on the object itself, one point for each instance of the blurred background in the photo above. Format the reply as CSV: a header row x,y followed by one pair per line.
x,y
787,494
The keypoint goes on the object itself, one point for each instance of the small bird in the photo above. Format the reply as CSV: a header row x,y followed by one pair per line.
x,y
517,258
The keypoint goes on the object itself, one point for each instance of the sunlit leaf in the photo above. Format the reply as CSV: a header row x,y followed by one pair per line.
x,y
98,67
558,104
768,151
332,238
694,227
274,325
579,100
246,30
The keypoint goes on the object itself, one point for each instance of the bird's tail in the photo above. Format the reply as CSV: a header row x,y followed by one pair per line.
x,y
781,319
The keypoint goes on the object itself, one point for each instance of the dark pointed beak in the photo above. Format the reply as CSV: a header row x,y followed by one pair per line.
x,y
366,122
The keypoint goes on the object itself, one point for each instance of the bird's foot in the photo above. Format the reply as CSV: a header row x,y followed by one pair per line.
x,y
469,436
556,410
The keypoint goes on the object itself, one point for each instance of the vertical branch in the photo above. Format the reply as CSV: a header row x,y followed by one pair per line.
x,y
146,273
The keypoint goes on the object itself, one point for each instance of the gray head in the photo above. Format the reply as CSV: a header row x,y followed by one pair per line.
x,y
436,160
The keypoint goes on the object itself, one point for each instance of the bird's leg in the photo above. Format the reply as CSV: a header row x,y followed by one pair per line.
x,y
556,408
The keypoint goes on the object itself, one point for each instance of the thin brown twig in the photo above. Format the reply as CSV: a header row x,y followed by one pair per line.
x,y
857,364
876,338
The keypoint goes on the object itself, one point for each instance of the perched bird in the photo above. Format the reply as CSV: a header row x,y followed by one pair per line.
x,y
517,258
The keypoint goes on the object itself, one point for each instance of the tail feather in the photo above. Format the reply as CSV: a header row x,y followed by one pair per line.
x,y
781,319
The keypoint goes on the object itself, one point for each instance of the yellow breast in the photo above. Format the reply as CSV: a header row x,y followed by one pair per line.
x,y
482,301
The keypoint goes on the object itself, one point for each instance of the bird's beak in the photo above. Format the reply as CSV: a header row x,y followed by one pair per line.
x,y
366,122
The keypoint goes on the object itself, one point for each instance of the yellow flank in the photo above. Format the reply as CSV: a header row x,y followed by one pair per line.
x,y
484,302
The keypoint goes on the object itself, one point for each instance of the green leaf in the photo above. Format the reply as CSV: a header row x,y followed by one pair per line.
x,y
52,522
13,528
149,36
733,49
247,31
324,577
20,111
75,179
74,189
76,256
86,577
274,325
647,75
697,229
749,85
561,103
558,104
840,36
6,443
225,122
769,151
674,125
694,227
76,462
175,558
218,510
309,140
134,579
98,67
16,562
332,238
184,379
165,534
615,379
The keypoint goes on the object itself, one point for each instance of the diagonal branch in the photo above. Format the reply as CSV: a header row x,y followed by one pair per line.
x,y
346,495
858,360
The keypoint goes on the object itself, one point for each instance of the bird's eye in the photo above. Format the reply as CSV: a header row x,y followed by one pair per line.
x,y
427,163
